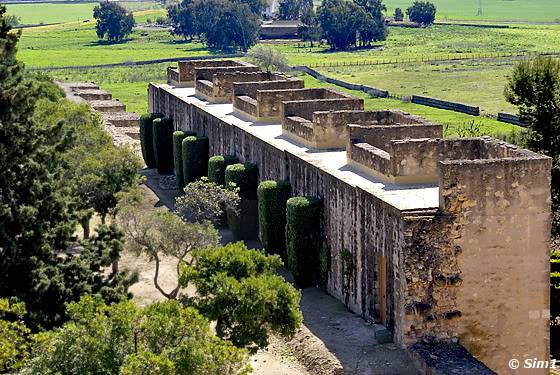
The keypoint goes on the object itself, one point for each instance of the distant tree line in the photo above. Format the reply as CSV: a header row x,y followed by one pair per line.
x,y
221,24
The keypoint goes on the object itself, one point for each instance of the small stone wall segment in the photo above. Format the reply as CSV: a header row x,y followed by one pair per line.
x,y
245,94
510,119
93,94
269,102
207,73
444,104
186,68
107,105
223,82
501,211
446,359
122,119
82,86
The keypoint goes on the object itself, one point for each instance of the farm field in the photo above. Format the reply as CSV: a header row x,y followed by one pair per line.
x,y
56,13
492,10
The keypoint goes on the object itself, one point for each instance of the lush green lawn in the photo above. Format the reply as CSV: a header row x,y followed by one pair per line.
x,y
474,82
440,41
494,10
77,44
56,13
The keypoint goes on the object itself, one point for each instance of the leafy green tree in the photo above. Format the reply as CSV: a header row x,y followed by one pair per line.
x,y
310,31
239,289
35,219
373,27
422,12
14,336
182,17
205,201
223,24
534,88
293,9
268,58
160,233
163,338
113,21
37,208
12,20
399,16
342,21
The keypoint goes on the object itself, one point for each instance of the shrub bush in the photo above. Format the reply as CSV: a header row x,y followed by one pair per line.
x,y
244,223
178,137
195,158
217,167
245,177
272,198
303,239
163,144
146,138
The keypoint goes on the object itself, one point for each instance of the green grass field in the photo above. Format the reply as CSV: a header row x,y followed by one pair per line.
x,y
56,13
492,10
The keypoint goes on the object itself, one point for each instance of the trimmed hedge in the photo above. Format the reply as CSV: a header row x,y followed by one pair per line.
x,y
217,168
272,197
146,138
245,223
163,144
195,158
303,238
178,137
245,177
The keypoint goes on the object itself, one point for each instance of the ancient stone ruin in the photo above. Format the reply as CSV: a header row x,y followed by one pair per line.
x,y
440,240
121,124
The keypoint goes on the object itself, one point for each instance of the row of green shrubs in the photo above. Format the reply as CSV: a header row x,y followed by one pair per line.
x,y
287,226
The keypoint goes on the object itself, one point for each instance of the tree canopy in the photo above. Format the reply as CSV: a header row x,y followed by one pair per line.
x,y
534,88
422,12
113,21
163,338
343,22
222,24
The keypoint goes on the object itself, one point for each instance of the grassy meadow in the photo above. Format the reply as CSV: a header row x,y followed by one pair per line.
x,y
63,12
492,10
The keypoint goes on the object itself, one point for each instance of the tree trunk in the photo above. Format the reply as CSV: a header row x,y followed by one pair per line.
x,y
115,267
86,227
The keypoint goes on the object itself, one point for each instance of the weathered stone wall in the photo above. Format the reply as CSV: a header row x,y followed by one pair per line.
x,y
380,136
250,88
270,101
223,82
207,73
305,108
353,220
501,211
186,68
474,270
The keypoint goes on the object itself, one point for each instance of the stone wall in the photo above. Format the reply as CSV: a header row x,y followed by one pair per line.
x,y
501,212
474,270
250,88
223,82
186,68
207,73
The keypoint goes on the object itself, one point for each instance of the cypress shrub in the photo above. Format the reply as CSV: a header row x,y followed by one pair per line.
x,y
217,167
146,138
195,158
303,238
163,144
245,177
244,223
272,198
178,137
